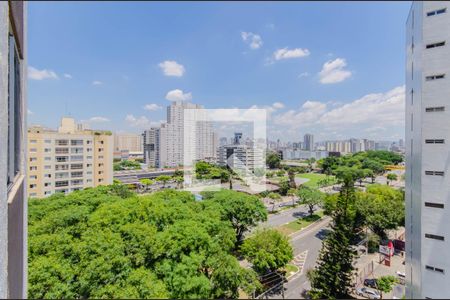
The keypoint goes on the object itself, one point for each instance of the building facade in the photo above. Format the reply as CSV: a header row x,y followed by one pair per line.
x,y
13,181
308,142
151,144
241,157
427,150
68,159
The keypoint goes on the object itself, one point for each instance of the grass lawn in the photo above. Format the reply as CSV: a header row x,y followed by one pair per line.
x,y
291,269
314,178
299,224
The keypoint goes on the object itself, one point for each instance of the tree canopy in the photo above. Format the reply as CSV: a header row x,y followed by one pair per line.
x,y
273,160
94,244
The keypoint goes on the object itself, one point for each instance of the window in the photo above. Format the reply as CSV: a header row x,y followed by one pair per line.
x,y
434,77
33,158
100,172
100,180
433,109
434,45
88,165
77,182
33,194
89,180
100,164
88,142
32,186
76,166
62,158
61,150
47,193
436,12
33,150
437,173
62,183
88,157
62,142
76,142
434,205
100,157
437,141
33,141
61,167
33,168
47,184
47,175
47,150
434,237
48,141
47,167
47,158
76,158
77,174
14,113
62,175
33,177
434,269
76,150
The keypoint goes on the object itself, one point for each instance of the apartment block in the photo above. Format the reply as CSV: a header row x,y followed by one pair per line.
x,y
151,144
67,159
308,142
427,146
13,181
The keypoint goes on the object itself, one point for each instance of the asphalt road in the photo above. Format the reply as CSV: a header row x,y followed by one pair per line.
x,y
286,216
308,239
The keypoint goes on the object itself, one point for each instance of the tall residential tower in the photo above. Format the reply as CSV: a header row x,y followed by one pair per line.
x,y
428,150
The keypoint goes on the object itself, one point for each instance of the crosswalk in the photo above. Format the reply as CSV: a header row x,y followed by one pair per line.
x,y
299,262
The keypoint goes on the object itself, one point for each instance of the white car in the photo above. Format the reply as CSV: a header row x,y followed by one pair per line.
x,y
368,293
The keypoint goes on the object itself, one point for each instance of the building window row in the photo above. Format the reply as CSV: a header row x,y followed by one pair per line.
x,y
436,12
434,205
61,183
434,45
434,236
434,269
434,77
434,141
61,167
436,108
76,142
436,173
62,142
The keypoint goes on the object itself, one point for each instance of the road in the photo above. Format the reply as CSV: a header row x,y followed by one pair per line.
x,y
309,239
286,216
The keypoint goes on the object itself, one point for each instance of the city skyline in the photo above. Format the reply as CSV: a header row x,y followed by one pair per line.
x,y
311,81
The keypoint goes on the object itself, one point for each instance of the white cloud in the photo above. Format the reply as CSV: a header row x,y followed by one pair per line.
x,y
68,76
98,120
36,74
333,71
251,39
152,107
178,95
286,53
304,74
96,82
140,122
172,68
278,105
378,114
29,112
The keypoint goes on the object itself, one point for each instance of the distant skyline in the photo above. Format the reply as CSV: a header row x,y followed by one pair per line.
x,y
333,69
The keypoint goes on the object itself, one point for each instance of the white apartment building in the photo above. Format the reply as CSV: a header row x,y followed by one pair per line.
x,y
428,150
172,136
68,159
241,157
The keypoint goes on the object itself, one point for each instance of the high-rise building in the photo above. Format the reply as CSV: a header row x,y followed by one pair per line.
x,y
13,181
67,160
308,142
427,150
237,138
128,142
151,143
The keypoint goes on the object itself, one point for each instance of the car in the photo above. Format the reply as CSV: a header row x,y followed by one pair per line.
x,y
370,283
368,293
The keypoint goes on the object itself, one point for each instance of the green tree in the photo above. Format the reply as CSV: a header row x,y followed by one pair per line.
x,y
333,275
385,284
242,210
164,179
284,186
391,177
147,182
310,197
273,160
267,250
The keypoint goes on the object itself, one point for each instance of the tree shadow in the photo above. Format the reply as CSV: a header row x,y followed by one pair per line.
x,y
322,234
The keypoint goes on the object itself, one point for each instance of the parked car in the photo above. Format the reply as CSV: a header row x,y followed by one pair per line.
x,y
371,283
368,293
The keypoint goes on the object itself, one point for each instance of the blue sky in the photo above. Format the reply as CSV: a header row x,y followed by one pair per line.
x,y
335,69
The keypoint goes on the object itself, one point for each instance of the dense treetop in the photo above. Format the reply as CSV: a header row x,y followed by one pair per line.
x,y
95,243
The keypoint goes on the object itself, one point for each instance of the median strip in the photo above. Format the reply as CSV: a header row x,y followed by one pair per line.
x,y
299,224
